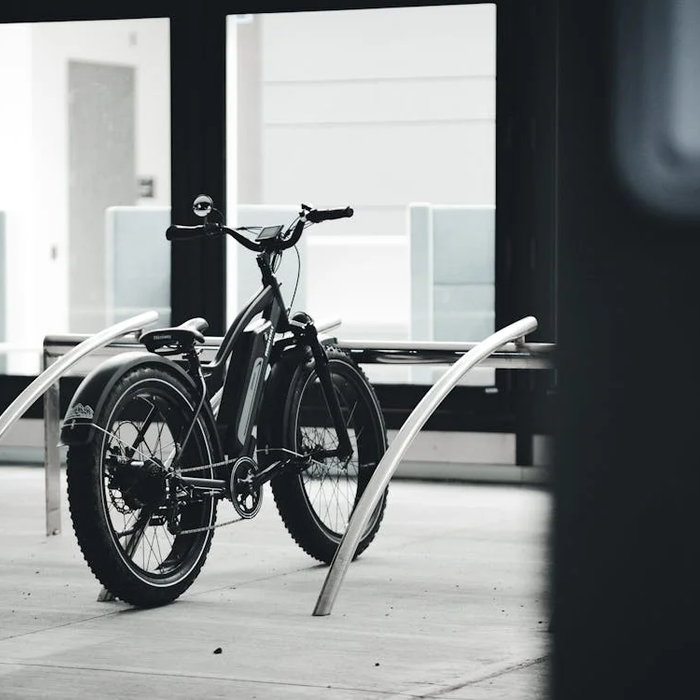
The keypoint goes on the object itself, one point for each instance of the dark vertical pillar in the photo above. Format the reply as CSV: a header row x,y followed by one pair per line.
x,y
627,483
525,204
198,153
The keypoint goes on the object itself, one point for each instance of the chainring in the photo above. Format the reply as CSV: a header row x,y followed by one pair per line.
x,y
245,496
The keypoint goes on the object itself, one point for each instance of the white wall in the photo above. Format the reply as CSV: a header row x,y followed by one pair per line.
x,y
374,108
16,151
34,71
381,106
377,109
231,160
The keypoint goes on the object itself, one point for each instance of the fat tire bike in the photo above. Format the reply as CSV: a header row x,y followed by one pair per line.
x,y
158,437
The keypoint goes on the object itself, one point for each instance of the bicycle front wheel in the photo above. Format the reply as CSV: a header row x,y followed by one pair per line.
x,y
317,495
143,536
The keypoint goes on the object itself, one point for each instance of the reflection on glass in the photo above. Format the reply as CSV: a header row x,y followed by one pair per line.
x,y
656,97
356,115
84,142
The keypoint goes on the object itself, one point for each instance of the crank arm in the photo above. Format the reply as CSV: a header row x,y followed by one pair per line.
x,y
268,473
218,486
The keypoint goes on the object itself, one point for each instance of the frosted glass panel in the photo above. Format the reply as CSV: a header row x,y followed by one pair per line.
x,y
89,129
355,115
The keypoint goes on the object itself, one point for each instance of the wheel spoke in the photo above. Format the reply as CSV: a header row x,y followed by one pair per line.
x,y
331,485
146,429
317,501
141,433
160,553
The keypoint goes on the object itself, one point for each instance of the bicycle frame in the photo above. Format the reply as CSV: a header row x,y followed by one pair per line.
x,y
149,457
238,372
236,377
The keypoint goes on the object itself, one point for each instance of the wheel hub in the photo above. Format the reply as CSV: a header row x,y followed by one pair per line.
x,y
142,484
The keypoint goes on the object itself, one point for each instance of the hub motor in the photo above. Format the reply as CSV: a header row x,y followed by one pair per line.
x,y
142,484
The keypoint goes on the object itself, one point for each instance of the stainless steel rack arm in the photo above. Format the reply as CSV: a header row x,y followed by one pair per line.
x,y
47,383
396,450
61,352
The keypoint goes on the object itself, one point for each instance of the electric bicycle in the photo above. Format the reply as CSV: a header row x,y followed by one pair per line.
x,y
158,437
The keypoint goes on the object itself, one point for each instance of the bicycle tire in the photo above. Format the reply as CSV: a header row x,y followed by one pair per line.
x,y
303,496
108,494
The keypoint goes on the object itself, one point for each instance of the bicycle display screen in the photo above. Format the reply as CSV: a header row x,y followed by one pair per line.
x,y
269,232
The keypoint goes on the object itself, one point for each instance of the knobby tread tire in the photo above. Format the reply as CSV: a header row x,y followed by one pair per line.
x,y
287,489
86,497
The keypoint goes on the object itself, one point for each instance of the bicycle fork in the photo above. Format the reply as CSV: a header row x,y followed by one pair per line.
x,y
344,450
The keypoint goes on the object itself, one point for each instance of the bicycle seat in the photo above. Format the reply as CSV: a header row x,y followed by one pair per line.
x,y
176,338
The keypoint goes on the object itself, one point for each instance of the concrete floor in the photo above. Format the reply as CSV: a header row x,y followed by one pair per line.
x,y
448,602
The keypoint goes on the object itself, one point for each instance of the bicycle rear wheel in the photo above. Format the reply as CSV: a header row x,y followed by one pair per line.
x,y
130,517
318,495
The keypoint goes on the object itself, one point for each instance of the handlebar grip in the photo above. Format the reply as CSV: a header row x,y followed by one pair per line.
x,y
315,216
183,233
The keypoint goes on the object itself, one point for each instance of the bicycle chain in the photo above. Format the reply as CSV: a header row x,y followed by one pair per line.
x,y
223,463
209,527
185,470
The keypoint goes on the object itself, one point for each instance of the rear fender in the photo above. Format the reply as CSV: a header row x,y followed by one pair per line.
x,y
86,405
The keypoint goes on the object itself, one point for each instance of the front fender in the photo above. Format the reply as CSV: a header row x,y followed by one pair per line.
x,y
77,427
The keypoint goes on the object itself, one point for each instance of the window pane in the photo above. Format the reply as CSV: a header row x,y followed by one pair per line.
x,y
401,126
84,179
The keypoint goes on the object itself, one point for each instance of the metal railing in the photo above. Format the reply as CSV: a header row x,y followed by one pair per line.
x,y
401,442
62,352
47,384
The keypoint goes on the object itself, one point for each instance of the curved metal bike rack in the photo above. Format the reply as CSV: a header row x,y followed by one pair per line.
x,y
111,341
47,381
61,352
396,450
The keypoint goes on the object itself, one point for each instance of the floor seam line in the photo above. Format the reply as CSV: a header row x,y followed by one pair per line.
x,y
208,676
245,583
55,627
479,677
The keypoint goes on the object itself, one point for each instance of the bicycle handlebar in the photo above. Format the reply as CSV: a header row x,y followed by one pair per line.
x,y
316,216
176,232
183,233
